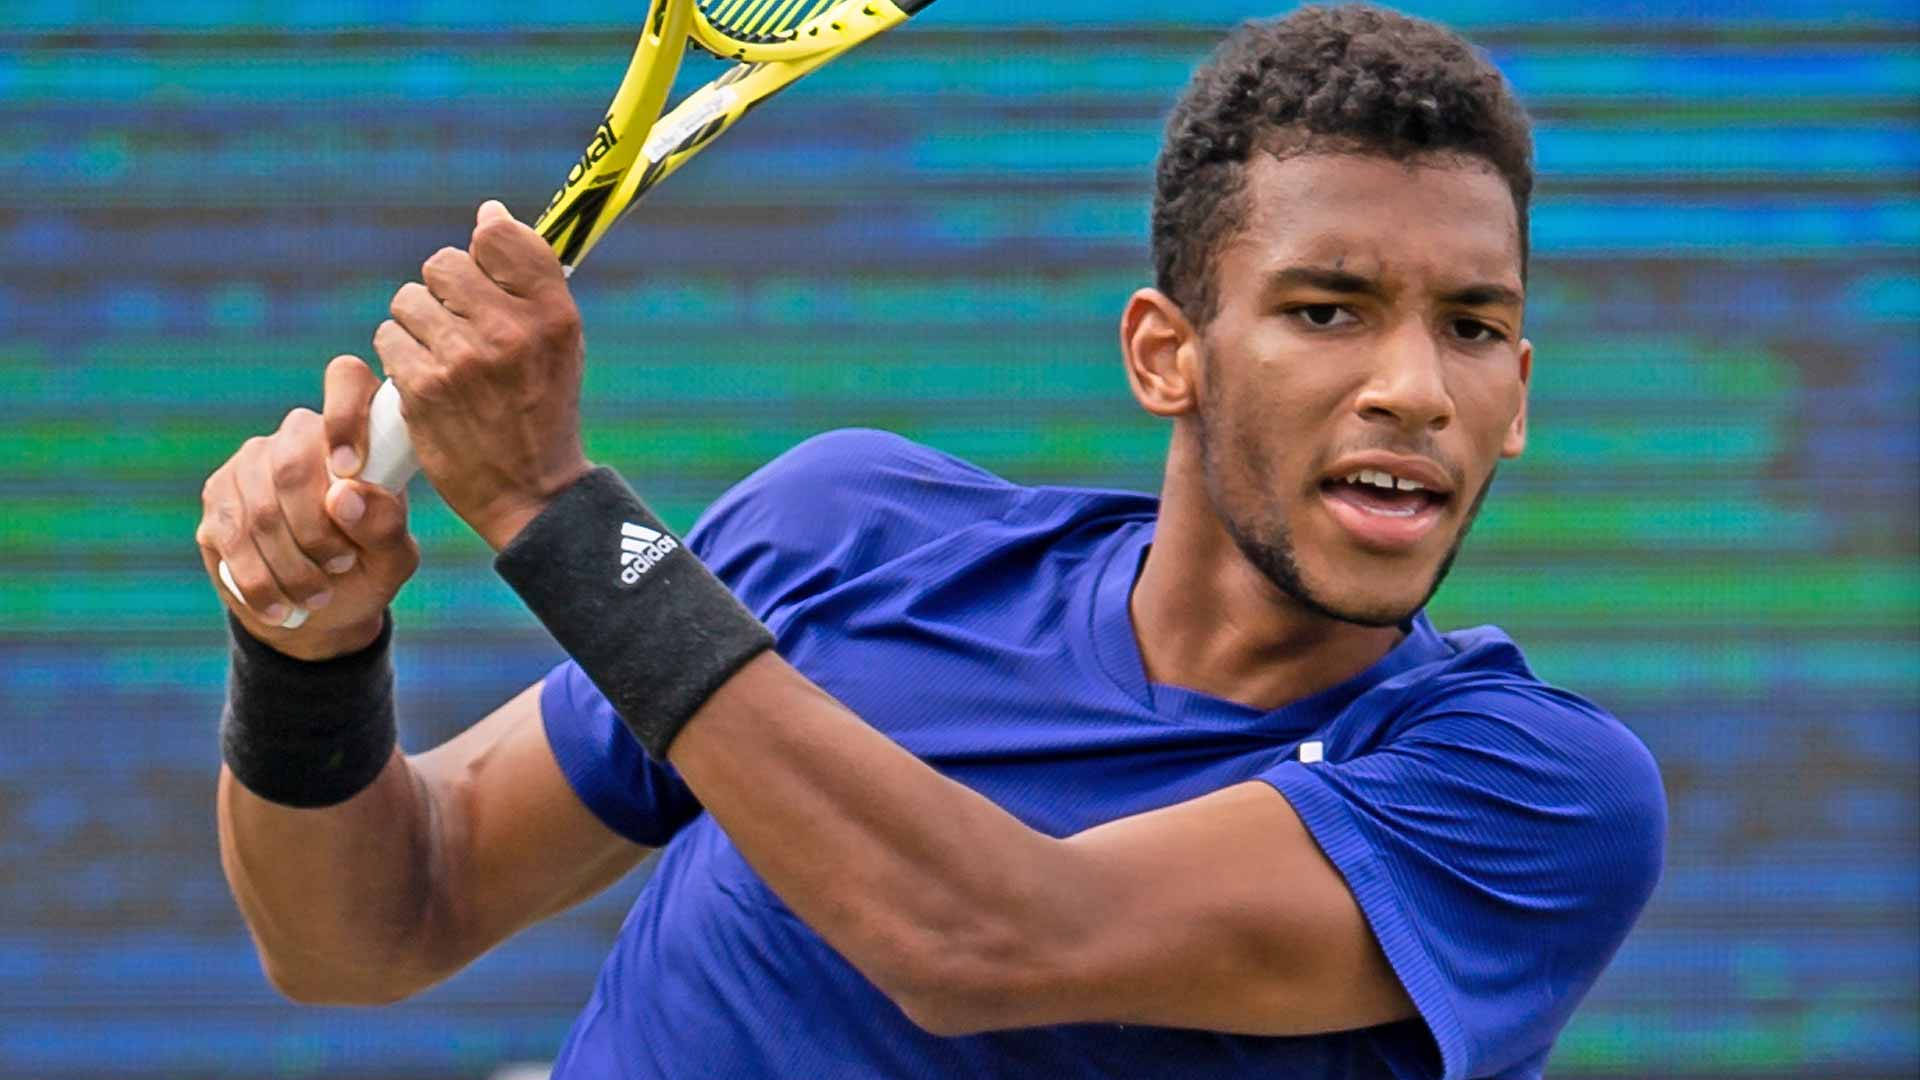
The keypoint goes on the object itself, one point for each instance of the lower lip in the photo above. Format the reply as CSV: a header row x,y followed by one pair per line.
x,y
1383,532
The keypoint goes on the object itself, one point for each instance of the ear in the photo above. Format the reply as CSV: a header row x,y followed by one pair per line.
x,y
1516,438
1161,350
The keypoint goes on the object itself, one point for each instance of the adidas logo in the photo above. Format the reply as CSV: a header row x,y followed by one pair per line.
x,y
640,549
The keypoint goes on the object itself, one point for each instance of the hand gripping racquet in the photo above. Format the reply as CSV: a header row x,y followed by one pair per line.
x,y
772,44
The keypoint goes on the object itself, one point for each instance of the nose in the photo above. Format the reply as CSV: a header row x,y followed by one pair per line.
x,y
1408,385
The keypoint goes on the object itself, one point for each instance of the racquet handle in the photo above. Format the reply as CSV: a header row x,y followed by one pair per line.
x,y
390,458
390,463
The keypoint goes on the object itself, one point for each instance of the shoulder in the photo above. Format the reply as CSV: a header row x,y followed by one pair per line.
x,y
1548,749
836,505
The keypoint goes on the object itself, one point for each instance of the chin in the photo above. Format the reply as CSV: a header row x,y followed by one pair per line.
x,y
1366,610
1341,596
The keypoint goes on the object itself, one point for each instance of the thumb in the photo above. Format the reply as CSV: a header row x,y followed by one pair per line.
x,y
517,258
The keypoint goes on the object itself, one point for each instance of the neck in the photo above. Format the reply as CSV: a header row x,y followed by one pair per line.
x,y
1206,619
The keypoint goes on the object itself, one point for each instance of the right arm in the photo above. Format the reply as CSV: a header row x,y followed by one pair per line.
x,y
447,853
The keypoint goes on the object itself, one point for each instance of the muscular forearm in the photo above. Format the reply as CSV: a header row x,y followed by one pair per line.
x,y
339,899
926,886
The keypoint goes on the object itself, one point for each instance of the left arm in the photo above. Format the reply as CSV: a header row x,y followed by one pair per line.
x,y
1219,913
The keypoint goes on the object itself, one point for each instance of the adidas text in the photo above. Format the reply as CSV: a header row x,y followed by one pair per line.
x,y
641,549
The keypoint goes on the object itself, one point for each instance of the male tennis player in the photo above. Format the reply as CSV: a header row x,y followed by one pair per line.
x,y
976,779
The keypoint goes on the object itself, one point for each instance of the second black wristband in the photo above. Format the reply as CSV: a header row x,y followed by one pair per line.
x,y
644,618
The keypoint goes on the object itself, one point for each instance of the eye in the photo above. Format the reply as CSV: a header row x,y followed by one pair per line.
x,y
1476,332
1322,316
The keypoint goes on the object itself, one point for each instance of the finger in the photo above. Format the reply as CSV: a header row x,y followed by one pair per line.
x,y
375,519
420,314
298,576
407,360
224,539
509,252
298,458
463,288
350,385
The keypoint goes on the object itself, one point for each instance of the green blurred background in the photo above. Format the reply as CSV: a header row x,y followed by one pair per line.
x,y
1714,531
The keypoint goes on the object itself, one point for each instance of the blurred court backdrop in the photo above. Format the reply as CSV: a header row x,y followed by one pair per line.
x,y
1713,533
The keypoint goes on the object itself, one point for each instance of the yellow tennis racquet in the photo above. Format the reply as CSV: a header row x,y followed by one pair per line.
x,y
772,43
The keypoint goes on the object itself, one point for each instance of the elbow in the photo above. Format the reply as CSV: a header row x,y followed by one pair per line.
x,y
952,988
947,1019
306,983
935,1019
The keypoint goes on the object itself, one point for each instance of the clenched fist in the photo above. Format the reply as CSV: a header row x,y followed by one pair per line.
x,y
296,530
487,353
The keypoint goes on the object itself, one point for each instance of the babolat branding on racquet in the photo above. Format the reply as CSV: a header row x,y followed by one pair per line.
x,y
641,615
305,733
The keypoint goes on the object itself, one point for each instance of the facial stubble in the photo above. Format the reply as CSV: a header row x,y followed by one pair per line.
x,y
1266,542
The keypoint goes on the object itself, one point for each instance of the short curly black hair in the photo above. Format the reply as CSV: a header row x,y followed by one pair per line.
x,y
1353,78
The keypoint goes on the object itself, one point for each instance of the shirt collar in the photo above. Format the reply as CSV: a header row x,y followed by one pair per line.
x,y
1117,652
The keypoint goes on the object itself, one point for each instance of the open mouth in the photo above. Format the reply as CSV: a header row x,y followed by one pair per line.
x,y
1381,510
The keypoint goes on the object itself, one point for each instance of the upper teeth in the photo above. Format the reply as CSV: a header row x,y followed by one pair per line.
x,y
1386,480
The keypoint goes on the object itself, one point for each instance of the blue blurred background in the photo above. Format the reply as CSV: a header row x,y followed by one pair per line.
x,y
1714,531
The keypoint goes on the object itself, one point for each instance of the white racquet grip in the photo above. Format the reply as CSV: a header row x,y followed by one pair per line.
x,y
390,459
390,463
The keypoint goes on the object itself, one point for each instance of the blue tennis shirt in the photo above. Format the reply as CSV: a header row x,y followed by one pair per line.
x,y
1501,835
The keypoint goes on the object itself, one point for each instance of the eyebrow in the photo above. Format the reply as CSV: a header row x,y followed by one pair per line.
x,y
1328,279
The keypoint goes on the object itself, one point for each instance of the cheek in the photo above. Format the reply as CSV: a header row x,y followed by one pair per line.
x,y
1487,409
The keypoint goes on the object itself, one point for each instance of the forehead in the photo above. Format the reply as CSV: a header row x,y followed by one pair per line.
x,y
1436,219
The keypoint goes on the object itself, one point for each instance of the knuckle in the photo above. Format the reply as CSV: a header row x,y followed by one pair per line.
x,y
292,471
255,584
506,337
459,352
446,258
265,519
222,527
392,333
561,327
305,582
432,385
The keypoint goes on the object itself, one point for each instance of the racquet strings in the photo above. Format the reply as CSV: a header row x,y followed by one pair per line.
x,y
765,21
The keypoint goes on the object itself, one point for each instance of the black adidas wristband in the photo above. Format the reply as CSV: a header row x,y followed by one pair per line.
x,y
303,733
644,619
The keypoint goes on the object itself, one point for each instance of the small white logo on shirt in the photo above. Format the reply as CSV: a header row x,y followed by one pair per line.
x,y
1311,752
640,549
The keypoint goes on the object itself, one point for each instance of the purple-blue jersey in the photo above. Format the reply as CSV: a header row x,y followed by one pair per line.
x,y
1500,835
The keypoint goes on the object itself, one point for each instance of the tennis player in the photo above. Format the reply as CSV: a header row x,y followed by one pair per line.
x,y
957,777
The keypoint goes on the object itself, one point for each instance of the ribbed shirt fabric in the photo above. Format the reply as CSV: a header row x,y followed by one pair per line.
x,y
1500,835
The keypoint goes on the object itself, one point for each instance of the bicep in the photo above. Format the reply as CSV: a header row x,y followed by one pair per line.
x,y
1221,913
516,843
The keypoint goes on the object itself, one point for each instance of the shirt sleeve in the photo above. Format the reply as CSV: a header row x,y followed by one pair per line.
x,y
824,511
1500,848
641,799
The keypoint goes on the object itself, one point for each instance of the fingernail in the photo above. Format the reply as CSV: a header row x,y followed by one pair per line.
x,y
350,507
275,614
343,460
319,600
340,564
